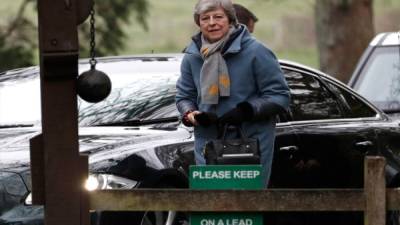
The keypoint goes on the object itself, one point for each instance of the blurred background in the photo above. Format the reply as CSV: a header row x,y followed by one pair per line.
x,y
165,26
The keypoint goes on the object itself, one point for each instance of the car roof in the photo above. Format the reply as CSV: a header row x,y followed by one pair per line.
x,y
386,39
143,57
106,59
165,57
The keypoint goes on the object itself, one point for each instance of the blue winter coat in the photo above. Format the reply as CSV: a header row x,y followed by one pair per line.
x,y
255,77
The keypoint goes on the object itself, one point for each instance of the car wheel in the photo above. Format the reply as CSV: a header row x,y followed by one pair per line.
x,y
167,217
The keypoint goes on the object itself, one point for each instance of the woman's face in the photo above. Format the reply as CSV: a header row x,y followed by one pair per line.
x,y
214,24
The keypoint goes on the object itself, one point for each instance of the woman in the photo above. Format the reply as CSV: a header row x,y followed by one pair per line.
x,y
229,77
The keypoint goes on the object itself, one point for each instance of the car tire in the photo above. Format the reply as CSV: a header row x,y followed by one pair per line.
x,y
170,178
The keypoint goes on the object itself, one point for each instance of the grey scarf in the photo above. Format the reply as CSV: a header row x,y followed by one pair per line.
x,y
214,76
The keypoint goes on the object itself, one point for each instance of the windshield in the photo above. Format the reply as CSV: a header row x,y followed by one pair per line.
x,y
141,90
380,78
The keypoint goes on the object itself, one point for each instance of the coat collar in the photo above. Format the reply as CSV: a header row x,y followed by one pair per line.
x,y
233,45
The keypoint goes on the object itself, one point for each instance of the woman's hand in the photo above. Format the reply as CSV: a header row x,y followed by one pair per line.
x,y
198,118
191,117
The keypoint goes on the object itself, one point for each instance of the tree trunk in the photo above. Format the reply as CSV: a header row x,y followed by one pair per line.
x,y
344,28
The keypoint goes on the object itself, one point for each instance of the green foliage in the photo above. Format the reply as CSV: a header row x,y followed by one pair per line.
x,y
14,56
110,17
16,42
18,36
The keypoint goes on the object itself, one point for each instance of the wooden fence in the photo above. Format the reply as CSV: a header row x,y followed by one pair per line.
x,y
374,199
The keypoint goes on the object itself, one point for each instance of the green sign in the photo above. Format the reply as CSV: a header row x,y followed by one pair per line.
x,y
245,177
219,177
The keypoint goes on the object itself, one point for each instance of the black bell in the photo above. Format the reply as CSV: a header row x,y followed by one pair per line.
x,y
93,86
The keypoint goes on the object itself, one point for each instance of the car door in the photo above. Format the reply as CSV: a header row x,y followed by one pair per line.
x,y
387,133
285,154
332,144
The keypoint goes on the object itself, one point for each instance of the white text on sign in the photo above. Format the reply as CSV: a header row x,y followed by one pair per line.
x,y
226,174
226,222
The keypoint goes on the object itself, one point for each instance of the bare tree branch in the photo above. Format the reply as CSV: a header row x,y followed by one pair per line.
x,y
17,20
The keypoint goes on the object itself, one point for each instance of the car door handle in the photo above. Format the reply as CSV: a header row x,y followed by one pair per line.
x,y
363,144
291,148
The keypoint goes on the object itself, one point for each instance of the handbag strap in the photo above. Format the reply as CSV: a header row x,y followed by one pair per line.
x,y
238,129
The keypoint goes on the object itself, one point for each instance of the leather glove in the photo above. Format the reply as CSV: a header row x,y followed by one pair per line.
x,y
206,118
242,112
234,117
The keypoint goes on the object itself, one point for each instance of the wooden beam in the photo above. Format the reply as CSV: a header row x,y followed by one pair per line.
x,y
228,200
393,199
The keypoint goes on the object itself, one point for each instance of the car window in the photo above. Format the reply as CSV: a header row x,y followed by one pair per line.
x,y
310,100
381,74
356,108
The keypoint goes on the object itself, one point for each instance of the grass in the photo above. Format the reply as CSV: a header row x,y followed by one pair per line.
x,y
171,26
306,56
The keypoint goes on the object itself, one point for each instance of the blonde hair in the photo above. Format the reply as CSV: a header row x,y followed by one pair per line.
x,y
203,6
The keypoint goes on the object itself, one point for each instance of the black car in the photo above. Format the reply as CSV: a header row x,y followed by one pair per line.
x,y
135,138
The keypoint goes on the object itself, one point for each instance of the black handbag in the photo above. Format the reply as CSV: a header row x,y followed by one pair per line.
x,y
239,151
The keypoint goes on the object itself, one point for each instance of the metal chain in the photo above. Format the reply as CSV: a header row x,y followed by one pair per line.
x,y
398,47
92,60
398,66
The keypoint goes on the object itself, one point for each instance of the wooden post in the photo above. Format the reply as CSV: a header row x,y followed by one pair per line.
x,y
58,44
59,171
375,191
